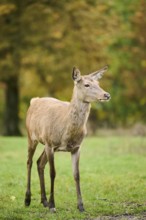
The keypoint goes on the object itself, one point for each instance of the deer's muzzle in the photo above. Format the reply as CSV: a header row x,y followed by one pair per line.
x,y
107,96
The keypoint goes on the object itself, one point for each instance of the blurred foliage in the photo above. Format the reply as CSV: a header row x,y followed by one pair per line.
x,y
42,40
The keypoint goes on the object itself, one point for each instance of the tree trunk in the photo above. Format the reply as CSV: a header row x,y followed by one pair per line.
x,y
11,119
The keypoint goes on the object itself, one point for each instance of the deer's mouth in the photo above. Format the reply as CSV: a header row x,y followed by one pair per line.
x,y
104,100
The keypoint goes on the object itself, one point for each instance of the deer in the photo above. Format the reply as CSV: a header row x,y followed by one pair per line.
x,y
61,126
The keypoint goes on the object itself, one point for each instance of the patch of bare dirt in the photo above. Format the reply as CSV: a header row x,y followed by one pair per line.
x,y
123,217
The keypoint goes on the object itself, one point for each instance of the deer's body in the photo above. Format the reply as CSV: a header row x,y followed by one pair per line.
x,y
61,126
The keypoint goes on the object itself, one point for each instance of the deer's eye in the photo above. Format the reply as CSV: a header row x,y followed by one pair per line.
x,y
87,85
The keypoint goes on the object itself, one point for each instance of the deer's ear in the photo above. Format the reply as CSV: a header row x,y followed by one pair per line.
x,y
76,75
99,73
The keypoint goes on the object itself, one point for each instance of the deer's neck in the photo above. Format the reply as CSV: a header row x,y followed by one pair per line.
x,y
79,111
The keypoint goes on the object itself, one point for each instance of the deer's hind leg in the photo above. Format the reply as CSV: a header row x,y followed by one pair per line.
x,y
31,150
41,162
50,158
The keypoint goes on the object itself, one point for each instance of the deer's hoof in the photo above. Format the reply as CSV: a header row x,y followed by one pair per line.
x,y
81,208
27,202
52,210
45,203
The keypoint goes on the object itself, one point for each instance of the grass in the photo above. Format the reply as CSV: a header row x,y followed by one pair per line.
x,y
113,180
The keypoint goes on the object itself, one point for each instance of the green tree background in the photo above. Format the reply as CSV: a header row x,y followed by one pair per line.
x,y
42,40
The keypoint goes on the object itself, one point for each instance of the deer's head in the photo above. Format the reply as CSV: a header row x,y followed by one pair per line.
x,y
87,86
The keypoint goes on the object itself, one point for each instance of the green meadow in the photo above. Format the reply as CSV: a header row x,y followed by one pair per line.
x,y
113,180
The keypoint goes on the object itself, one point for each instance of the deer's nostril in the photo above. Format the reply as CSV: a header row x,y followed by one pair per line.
x,y
107,95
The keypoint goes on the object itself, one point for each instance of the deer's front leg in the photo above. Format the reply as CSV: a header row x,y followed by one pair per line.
x,y
75,166
50,156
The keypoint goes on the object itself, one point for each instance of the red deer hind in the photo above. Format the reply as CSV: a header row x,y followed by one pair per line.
x,y
61,126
